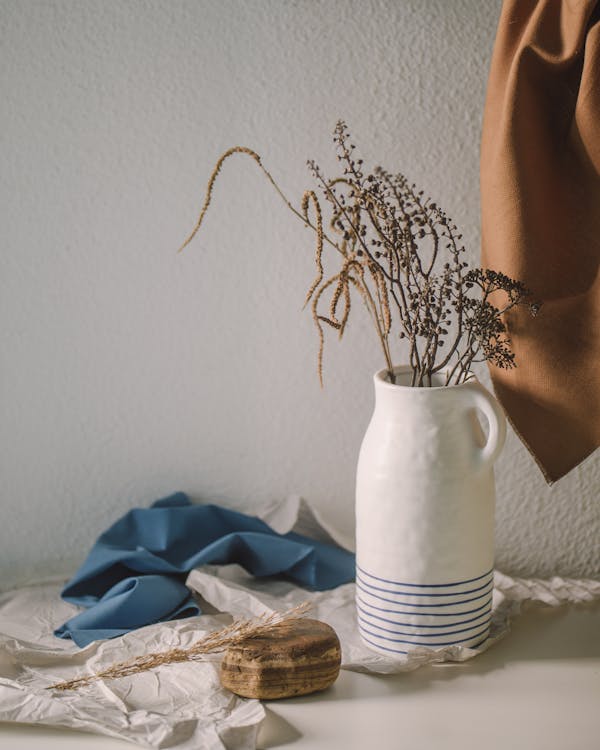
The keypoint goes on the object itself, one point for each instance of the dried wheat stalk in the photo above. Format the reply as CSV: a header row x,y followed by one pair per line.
x,y
216,641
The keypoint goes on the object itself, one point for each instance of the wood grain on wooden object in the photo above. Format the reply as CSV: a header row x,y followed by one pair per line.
x,y
295,657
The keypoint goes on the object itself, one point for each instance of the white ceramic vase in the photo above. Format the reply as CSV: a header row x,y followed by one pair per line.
x,y
425,515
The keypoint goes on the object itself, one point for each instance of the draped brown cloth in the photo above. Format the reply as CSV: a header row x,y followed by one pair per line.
x,y
540,191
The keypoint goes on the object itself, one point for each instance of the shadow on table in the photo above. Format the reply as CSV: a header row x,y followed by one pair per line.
x,y
570,631
276,731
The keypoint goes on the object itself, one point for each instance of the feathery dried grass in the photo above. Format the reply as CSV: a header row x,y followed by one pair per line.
x,y
216,641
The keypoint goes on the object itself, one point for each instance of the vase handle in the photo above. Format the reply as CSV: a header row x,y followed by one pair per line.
x,y
483,400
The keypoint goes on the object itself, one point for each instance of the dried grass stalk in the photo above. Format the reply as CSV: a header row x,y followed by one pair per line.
x,y
216,641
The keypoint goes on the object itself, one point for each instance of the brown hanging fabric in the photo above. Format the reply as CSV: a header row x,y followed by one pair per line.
x,y
540,193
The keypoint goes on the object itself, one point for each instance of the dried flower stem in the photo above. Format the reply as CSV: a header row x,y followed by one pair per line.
x,y
211,182
216,641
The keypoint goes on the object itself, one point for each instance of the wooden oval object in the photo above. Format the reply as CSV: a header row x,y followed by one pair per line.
x,y
294,657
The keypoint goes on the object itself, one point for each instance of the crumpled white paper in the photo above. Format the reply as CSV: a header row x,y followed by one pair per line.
x,y
182,706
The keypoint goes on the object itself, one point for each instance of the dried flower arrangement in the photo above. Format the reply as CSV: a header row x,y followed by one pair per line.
x,y
403,255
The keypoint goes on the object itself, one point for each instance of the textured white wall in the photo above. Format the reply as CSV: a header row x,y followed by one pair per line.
x,y
129,371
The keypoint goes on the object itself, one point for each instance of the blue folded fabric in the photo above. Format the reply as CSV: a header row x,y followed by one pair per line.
x,y
134,574
131,603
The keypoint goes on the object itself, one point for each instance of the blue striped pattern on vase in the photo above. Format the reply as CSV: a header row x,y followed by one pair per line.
x,y
395,616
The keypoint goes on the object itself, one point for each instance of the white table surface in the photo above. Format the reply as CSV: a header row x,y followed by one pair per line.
x,y
538,689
